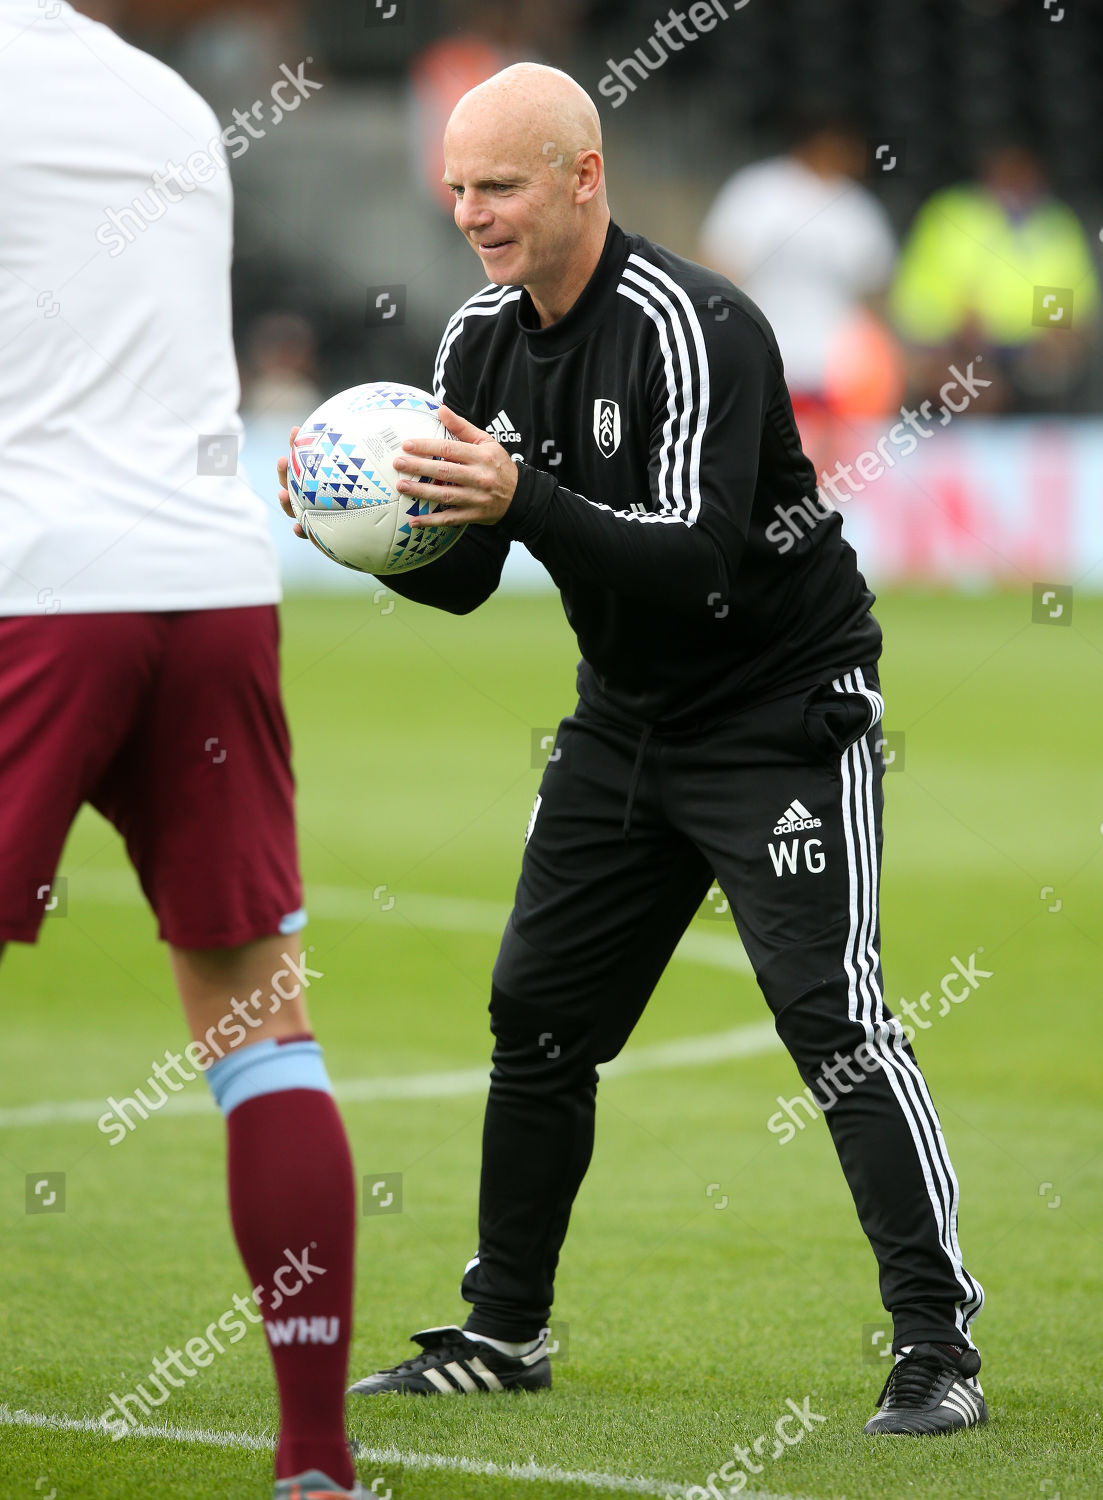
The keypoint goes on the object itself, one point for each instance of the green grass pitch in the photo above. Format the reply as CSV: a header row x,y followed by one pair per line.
x,y
689,1324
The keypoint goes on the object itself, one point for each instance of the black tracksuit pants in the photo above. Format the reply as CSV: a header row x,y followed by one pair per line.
x,y
783,804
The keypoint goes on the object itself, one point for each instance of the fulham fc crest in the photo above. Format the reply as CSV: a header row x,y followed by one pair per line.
x,y
607,427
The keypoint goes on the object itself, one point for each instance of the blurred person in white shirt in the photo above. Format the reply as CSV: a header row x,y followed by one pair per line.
x,y
813,247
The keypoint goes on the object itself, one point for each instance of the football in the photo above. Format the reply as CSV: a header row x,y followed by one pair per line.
x,y
343,487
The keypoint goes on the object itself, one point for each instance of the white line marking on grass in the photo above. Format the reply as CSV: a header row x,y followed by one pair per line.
x,y
695,1051
201,1436
367,1457
449,913
444,913
658,1057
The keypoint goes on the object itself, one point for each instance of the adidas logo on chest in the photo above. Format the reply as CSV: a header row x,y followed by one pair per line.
x,y
504,429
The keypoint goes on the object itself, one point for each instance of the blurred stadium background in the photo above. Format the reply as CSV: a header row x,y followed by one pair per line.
x,y
340,203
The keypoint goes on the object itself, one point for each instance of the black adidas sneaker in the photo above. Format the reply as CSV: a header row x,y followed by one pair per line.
x,y
454,1365
933,1389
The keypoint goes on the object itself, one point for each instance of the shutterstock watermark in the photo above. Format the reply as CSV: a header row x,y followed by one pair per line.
x,y
672,35
786,1122
122,226
842,1074
736,1473
296,1272
174,1074
950,993
899,442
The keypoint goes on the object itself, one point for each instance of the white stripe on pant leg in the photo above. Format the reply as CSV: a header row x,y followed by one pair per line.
x,y
932,1149
862,846
867,851
852,874
860,1007
852,779
877,703
917,1087
865,841
872,1014
922,1104
974,1299
904,1077
938,1155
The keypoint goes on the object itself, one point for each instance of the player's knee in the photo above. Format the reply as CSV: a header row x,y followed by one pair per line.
x,y
236,996
536,1042
816,1026
556,982
804,969
520,1018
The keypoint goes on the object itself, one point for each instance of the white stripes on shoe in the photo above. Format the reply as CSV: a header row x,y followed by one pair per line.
x,y
884,1034
457,1372
960,1399
488,1377
463,1375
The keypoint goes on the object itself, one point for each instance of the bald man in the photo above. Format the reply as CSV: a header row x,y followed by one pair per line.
x,y
623,414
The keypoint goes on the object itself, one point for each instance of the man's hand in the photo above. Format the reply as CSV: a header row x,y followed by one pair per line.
x,y
282,495
476,476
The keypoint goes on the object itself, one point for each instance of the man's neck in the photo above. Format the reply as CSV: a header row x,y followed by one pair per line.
x,y
554,302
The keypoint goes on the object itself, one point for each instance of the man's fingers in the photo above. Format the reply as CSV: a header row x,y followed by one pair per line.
x,y
433,448
416,489
285,505
281,462
282,494
460,427
429,470
451,515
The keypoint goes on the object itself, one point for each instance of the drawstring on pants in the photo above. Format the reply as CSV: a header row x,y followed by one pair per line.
x,y
637,772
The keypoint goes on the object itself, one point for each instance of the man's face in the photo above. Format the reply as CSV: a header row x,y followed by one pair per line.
x,y
513,205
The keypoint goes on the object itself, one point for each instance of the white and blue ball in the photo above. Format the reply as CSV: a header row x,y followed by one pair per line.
x,y
343,487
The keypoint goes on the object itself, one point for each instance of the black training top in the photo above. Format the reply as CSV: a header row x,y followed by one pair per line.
x,y
655,438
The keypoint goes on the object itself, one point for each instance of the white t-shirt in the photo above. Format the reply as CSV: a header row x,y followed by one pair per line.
x,y
807,249
116,356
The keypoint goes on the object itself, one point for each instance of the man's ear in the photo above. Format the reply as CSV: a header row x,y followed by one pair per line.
x,y
590,171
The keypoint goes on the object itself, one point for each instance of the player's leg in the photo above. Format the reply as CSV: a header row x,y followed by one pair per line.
x,y
606,890
797,850
69,688
203,795
291,1187
539,1127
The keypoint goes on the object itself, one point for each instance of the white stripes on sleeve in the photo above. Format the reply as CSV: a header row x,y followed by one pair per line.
x,y
685,361
682,342
485,304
